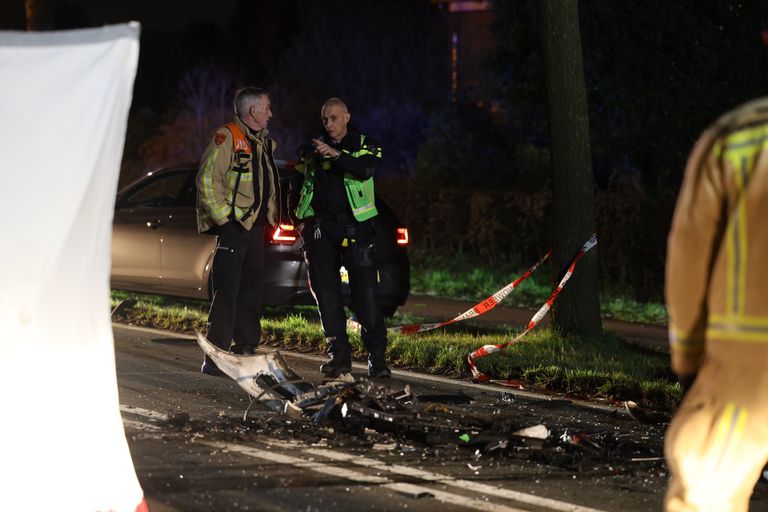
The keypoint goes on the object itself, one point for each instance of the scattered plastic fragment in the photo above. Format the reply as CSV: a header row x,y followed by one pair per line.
x,y
384,446
536,432
643,416
385,419
500,445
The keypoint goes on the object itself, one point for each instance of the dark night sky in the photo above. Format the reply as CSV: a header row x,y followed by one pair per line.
x,y
154,15
175,34
247,42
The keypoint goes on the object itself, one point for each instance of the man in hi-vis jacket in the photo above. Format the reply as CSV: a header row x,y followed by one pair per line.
x,y
237,197
338,210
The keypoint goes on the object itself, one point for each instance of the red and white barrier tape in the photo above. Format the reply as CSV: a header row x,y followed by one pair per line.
x,y
541,313
478,309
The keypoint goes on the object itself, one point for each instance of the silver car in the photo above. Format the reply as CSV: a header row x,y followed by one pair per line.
x,y
156,247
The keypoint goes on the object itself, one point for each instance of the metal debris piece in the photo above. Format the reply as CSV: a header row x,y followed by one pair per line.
x,y
386,419
500,445
321,415
404,396
266,377
581,440
643,416
537,432
384,446
350,407
316,395
293,411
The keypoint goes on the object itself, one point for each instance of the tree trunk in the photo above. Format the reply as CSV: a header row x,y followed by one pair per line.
x,y
39,14
577,310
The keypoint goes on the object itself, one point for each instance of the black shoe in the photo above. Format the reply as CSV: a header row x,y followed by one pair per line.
x,y
377,366
243,350
379,372
210,368
337,365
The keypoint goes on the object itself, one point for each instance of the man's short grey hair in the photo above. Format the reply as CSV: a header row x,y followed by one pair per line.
x,y
248,96
330,102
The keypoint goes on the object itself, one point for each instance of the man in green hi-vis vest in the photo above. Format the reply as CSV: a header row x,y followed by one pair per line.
x,y
337,207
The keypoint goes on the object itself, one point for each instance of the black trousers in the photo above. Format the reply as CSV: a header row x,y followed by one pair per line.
x,y
324,257
238,282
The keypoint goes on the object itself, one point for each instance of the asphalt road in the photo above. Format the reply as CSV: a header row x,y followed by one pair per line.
x,y
193,450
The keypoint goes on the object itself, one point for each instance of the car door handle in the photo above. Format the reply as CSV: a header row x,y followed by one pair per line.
x,y
154,224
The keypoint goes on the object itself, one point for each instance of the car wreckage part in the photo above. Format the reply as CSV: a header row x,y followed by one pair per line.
x,y
363,405
266,377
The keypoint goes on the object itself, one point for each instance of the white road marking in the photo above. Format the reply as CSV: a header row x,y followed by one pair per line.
x,y
530,499
152,415
138,425
356,476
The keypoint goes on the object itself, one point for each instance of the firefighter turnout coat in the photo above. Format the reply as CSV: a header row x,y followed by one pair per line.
x,y
234,158
717,265
717,298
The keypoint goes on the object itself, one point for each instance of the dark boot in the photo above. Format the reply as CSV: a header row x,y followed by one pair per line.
x,y
210,368
340,361
377,365
336,365
243,350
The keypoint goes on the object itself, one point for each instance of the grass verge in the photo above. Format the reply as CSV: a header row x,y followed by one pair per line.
x,y
604,367
458,277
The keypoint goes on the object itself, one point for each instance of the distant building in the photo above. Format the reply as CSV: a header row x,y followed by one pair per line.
x,y
471,41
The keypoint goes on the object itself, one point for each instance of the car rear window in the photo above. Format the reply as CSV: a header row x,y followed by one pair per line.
x,y
161,191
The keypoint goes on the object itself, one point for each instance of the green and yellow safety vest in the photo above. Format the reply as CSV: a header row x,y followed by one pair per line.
x,y
360,193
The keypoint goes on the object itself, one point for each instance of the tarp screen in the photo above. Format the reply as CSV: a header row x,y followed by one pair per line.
x,y
64,101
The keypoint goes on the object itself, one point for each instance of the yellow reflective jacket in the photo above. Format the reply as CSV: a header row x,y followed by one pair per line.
x,y
358,184
717,252
229,163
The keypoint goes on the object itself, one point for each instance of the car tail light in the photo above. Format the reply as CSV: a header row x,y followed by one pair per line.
x,y
284,234
402,237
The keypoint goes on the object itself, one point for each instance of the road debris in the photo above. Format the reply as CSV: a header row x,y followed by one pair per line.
x,y
535,432
643,416
396,421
